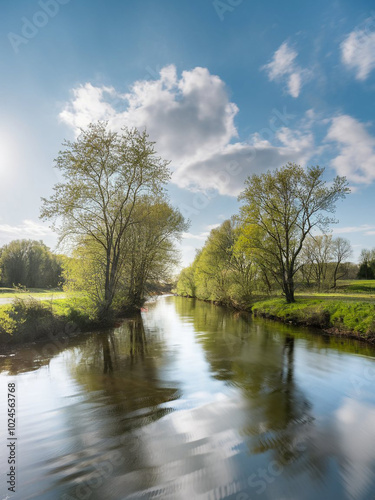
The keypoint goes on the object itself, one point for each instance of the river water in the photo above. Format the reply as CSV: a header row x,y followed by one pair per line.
x,y
191,401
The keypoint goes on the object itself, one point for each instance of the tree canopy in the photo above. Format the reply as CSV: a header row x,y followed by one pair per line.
x,y
29,263
100,204
274,241
280,209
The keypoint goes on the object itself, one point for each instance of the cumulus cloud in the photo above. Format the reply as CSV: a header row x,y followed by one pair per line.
x,y
283,67
227,169
356,158
27,229
358,51
187,116
191,119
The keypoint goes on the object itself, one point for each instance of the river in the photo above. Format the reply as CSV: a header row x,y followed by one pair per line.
x,y
191,401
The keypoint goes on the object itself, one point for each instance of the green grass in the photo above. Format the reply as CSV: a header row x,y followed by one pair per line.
x,y
27,319
356,317
359,286
10,293
363,290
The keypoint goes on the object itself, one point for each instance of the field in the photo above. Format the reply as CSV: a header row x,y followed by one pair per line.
x,y
39,293
346,290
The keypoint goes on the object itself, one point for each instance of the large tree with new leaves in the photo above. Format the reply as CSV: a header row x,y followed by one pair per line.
x,y
104,174
280,209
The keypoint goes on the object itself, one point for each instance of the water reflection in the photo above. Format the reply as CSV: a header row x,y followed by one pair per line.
x,y
281,427
192,401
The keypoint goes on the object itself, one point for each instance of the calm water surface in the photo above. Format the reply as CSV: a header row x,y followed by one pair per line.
x,y
191,401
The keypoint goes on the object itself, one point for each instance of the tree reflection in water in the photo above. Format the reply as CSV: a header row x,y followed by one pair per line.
x,y
260,362
255,394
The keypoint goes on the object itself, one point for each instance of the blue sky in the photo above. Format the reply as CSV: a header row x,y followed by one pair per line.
x,y
226,88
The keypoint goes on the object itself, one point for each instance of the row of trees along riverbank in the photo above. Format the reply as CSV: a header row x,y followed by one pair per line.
x,y
272,244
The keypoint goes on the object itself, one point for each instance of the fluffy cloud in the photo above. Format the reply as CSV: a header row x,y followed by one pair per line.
x,y
191,236
358,51
192,121
356,158
227,169
283,67
28,229
188,116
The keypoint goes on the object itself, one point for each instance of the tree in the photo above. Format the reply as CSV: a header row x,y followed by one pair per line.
x,y
325,259
213,273
281,208
367,265
29,263
341,252
223,269
186,282
104,173
149,249
317,255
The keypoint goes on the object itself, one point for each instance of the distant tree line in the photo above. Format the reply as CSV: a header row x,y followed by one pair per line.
x,y
278,241
367,264
29,264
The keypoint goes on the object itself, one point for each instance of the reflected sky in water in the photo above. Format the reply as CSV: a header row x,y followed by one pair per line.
x,y
192,401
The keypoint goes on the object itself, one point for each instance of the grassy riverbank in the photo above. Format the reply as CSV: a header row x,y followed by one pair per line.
x,y
348,310
29,319
336,316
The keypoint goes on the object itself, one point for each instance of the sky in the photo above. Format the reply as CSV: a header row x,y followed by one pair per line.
x,y
226,88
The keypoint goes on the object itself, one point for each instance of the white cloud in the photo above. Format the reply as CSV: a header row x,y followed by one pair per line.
x,y
294,84
227,169
283,67
209,227
192,121
358,52
191,236
356,158
188,116
364,228
28,229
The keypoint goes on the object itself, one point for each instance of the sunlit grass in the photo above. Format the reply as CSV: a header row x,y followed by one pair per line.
x,y
27,319
346,316
10,293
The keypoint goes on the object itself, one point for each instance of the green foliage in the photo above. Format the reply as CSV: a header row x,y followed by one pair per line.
x,y
186,282
367,265
27,320
222,271
280,209
29,264
112,207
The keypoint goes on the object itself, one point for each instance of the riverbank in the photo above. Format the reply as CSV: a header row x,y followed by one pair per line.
x,y
336,317
338,314
29,320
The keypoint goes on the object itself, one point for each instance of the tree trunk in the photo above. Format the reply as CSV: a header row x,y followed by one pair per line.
x,y
289,289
